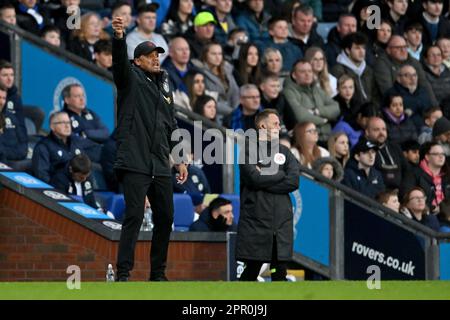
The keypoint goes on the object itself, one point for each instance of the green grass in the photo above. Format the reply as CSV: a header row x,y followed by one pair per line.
x,y
226,290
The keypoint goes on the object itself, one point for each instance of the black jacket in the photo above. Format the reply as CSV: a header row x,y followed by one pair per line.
x,y
205,223
357,179
443,30
333,47
266,209
145,116
63,181
51,155
27,22
314,40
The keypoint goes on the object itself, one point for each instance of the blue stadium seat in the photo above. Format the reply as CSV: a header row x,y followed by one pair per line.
x,y
323,28
117,206
183,211
104,198
235,200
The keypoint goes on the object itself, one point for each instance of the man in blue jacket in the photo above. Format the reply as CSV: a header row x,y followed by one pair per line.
x,y
85,122
360,174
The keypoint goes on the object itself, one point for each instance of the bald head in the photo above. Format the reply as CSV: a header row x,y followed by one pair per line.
x,y
179,52
376,130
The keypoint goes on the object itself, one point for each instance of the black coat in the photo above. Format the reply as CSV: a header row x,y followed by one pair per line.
x,y
27,22
357,179
145,116
88,125
443,30
266,210
400,132
314,40
205,224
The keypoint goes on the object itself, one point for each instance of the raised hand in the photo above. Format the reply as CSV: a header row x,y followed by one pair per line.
x,y
118,27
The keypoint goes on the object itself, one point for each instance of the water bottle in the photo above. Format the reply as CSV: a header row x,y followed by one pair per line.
x,y
110,273
147,224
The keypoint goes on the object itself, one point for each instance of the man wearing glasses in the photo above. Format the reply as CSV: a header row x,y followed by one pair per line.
x,y
387,66
52,154
243,117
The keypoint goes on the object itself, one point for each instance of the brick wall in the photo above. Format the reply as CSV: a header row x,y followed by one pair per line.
x,y
37,244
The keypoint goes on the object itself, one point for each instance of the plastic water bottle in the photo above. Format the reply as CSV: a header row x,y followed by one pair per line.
x,y
110,273
147,224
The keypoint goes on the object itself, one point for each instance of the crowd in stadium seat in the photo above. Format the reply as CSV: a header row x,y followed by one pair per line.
x,y
365,106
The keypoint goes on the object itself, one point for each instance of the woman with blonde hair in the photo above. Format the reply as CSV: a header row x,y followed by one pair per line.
x,y
305,147
324,79
339,148
84,39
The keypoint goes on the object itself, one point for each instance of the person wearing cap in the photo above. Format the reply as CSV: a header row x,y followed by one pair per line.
x,y
360,174
145,122
145,31
203,33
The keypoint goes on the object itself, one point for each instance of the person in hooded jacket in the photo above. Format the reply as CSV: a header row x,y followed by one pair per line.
x,y
217,217
265,229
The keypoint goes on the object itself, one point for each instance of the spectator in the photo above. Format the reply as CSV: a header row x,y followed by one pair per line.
x,y
346,98
434,24
61,14
362,14
413,37
387,67
410,150
400,128
13,139
206,106
179,67
52,153
219,78
271,98
85,123
303,32
8,14
179,20
415,97
236,38
441,134
339,147
345,26
329,167
217,217
103,54
85,38
51,35
389,199
333,9
272,63
414,207
31,16
254,20
243,117
279,32
438,75
196,88
308,101
355,125
377,46
203,33
145,31
76,180
360,173
122,8
247,67
432,175
305,147
397,15
430,117
351,61
322,77
444,45
389,157
225,21
444,216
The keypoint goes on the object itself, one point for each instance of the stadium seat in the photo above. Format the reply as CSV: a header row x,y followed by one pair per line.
x,y
235,200
183,212
30,126
103,197
323,28
116,205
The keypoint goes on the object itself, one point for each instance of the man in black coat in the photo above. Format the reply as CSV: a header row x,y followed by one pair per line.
x,y
218,217
145,122
265,229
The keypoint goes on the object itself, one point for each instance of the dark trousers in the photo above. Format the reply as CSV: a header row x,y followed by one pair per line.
x,y
160,193
253,267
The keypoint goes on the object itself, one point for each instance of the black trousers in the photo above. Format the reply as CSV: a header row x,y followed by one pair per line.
x,y
253,267
160,193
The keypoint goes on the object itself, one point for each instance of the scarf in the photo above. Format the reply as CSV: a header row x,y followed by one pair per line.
x,y
437,181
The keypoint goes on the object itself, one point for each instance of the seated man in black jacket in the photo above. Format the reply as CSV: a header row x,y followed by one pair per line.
x,y
217,217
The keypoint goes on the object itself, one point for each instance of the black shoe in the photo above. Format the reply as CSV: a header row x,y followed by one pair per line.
x,y
122,279
159,278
